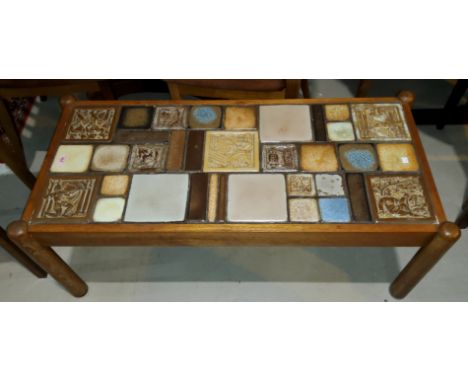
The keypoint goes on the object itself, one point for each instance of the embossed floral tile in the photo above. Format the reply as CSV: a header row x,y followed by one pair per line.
x,y
91,124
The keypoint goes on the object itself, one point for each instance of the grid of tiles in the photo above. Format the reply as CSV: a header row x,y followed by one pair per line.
x,y
342,163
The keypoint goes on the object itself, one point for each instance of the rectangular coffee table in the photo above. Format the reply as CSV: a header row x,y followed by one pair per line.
x,y
326,172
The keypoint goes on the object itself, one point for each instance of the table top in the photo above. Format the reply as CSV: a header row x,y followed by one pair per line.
x,y
312,165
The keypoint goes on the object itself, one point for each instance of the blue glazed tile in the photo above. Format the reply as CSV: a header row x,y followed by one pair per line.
x,y
358,157
205,117
334,210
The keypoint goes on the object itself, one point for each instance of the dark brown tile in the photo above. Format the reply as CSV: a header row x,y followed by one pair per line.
x,y
358,198
320,133
129,136
222,196
198,197
194,159
175,159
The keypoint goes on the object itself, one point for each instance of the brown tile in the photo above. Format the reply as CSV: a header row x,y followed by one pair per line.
x,y
93,124
279,158
240,118
147,136
397,157
318,157
320,133
337,112
194,159
301,185
136,117
175,158
198,197
213,192
170,117
148,158
222,198
205,117
357,197
114,185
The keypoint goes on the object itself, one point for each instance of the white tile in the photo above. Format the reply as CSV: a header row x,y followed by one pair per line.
x,y
109,210
285,123
329,184
72,158
157,198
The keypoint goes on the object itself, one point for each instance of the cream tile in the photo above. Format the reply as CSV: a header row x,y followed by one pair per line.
x,y
285,123
109,210
329,184
340,131
72,158
111,158
303,210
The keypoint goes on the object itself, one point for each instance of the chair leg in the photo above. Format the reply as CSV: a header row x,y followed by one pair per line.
x,y
292,88
305,88
462,219
174,90
458,92
16,162
363,88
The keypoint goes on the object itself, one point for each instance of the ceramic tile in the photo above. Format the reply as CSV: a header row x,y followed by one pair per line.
x,y
198,197
114,185
112,158
72,158
195,145
301,185
279,158
285,123
231,151
303,210
398,197
222,198
329,184
318,158
213,189
334,210
170,117
205,117
67,198
380,122
142,136
320,133
257,198
357,197
337,112
175,157
148,158
157,198
109,210
397,157
136,117
340,131
358,157
240,118
91,124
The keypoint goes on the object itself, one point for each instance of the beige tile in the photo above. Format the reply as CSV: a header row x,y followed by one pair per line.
x,y
301,185
213,189
285,123
397,157
303,210
318,158
337,112
240,118
72,158
170,117
329,184
340,131
114,185
109,210
111,158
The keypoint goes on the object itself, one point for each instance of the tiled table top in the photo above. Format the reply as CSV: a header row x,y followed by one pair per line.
x,y
289,163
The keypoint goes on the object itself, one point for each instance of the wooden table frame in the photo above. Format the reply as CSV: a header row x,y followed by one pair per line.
x,y
434,238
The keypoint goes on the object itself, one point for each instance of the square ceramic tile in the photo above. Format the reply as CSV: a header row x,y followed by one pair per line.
x,y
240,118
318,157
114,185
148,158
170,117
337,112
301,185
232,151
285,123
303,210
340,131
136,117
398,197
329,184
380,122
109,210
279,158
397,157
334,210
205,117
257,198
157,198
358,157
72,158
94,124
112,158
67,198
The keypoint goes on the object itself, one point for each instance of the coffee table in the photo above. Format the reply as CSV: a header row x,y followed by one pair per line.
x,y
324,172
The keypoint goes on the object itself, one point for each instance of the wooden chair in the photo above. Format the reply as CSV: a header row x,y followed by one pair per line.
x,y
462,219
238,89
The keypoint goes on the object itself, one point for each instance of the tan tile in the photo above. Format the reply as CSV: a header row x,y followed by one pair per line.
x,y
301,185
109,210
213,189
303,210
240,118
114,185
397,157
337,112
318,158
93,124
111,158
231,152
72,158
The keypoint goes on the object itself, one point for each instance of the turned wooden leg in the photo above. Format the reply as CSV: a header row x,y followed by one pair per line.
x,y
19,255
425,259
462,219
363,88
47,259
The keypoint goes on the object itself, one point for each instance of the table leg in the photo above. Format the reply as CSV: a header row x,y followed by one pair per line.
x,y
47,259
425,259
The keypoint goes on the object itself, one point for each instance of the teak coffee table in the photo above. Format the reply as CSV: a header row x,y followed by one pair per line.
x,y
326,172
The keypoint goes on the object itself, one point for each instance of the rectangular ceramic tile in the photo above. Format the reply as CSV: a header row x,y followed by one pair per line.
x,y
232,151
334,210
157,198
72,158
112,158
175,157
205,117
67,198
329,184
301,185
279,158
318,157
358,157
337,112
240,118
136,117
93,124
194,158
213,189
114,185
319,124
357,197
340,131
396,197
148,158
198,197
397,157
141,136
380,122
285,123
257,198
303,210
222,198
109,210
170,117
